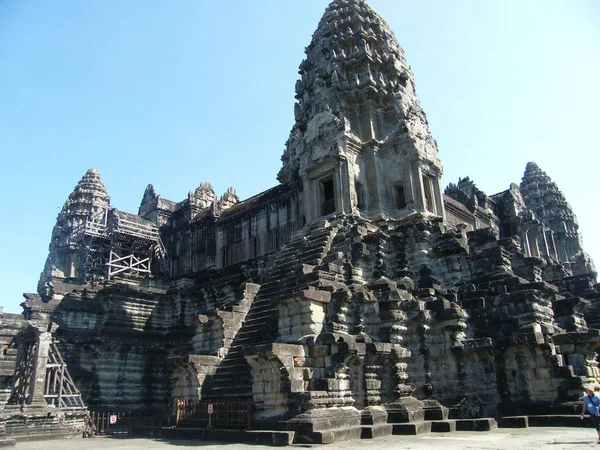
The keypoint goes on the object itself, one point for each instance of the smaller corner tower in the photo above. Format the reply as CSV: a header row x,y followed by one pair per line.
x,y
89,201
543,197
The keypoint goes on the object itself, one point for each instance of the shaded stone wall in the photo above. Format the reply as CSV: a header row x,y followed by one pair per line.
x,y
215,237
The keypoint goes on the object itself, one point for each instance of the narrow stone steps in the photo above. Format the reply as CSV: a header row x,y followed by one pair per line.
x,y
286,277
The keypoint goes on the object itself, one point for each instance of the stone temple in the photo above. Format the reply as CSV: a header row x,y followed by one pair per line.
x,y
355,297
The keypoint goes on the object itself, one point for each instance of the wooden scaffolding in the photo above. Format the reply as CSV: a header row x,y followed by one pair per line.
x,y
113,243
60,390
38,354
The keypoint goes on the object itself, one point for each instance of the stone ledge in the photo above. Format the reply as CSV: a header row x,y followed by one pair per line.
x,y
513,422
411,429
262,437
376,431
446,426
476,424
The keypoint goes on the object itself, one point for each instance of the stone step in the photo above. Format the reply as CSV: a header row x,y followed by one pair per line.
x,y
232,366
236,384
260,314
376,431
257,325
256,316
260,326
7,364
310,257
514,422
485,424
557,420
439,414
261,437
238,369
230,391
443,426
328,436
413,428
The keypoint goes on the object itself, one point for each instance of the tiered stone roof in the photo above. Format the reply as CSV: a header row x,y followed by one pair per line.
x,y
546,200
354,64
89,195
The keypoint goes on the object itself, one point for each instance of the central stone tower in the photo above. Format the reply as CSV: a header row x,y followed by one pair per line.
x,y
361,143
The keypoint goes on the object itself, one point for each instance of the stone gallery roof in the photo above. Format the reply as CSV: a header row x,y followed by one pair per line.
x,y
257,201
132,218
167,205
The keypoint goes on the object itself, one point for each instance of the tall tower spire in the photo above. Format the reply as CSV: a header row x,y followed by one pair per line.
x,y
88,200
545,199
361,143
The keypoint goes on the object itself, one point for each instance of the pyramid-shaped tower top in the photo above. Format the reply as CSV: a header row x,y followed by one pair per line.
x,y
352,52
357,107
88,197
346,20
545,199
89,200
542,196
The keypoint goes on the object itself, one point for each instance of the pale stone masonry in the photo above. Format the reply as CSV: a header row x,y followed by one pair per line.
x,y
354,299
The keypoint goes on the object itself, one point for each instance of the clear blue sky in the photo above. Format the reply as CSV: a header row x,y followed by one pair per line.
x,y
177,92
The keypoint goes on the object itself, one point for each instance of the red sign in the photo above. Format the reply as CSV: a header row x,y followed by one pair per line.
x,y
112,419
210,408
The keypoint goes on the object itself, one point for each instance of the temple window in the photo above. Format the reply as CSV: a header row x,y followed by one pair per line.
x,y
327,196
360,195
400,195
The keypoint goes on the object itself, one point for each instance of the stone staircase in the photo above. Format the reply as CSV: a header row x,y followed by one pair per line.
x,y
444,426
292,270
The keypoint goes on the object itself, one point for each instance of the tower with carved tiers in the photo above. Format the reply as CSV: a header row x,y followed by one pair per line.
x,y
361,143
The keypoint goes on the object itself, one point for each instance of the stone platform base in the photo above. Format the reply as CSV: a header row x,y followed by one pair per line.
x,y
262,437
282,438
444,426
544,421
39,423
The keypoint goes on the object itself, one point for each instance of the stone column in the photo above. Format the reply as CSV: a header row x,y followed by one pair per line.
x,y
564,257
372,385
372,180
219,262
525,239
533,243
439,200
310,199
418,192
554,245
428,187
339,190
38,376
545,242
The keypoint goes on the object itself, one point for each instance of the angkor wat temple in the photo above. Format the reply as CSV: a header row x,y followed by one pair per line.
x,y
357,296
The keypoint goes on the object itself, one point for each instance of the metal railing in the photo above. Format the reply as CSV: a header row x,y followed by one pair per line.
x,y
218,414
120,423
